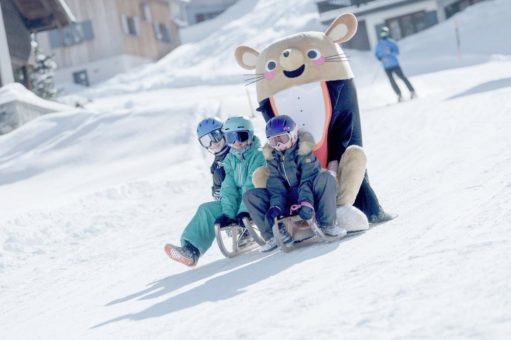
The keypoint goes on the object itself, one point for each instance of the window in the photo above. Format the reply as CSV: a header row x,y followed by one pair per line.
x,y
130,25
71,35
161,32
145,11
200,17
81,78
458,6
408,24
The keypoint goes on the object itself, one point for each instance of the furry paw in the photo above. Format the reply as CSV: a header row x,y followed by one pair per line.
x,y
351,218
260,176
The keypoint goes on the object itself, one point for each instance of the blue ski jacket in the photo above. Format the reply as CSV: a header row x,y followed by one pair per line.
x,y
387,51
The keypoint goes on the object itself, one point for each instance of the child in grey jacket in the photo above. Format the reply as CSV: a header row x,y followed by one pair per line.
x,y
295,178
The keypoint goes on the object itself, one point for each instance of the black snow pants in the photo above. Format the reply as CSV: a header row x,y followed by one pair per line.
x,y
399,72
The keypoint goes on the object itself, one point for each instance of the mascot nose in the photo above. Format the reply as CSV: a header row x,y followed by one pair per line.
x,y
291,59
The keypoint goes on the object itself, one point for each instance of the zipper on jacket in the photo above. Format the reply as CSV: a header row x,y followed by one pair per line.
x,y
239,175
284,170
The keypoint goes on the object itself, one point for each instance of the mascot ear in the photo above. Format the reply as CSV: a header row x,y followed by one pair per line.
x,y
246,57
342,29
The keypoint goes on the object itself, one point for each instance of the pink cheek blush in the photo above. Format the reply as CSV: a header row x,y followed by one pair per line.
x,y
269,75
320,61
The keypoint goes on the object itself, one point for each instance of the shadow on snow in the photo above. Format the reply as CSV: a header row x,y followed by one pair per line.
x,y
225,286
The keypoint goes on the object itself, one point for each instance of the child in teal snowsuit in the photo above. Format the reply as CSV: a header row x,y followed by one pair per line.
x,y
240,163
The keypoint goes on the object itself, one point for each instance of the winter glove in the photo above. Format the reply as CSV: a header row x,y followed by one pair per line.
x,y
272,213
306,212
240,218
224,220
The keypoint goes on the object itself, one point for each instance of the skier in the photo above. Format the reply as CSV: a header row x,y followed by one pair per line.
x,y
387,52
295,177
240,162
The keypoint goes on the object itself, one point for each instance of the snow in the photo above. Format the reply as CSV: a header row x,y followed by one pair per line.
x,y
17,92
89,197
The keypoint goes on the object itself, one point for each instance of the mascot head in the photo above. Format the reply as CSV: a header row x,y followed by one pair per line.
x,y
300,58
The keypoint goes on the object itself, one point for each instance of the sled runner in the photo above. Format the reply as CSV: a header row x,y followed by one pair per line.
x,y
300,230
234,240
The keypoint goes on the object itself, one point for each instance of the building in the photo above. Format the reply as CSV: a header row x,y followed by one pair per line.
x,y
403,17
18,19
191,12
110,37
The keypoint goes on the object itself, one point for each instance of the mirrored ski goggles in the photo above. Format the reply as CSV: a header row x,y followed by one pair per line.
x,y
233,136
214,136
277,140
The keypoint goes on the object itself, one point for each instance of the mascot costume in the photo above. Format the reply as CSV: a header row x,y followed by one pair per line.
x,y
307,76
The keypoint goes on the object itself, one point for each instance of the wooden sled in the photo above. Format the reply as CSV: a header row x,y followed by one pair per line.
x,y
231,242
300,230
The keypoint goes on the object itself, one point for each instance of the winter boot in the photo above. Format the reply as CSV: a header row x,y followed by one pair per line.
x,y
269,245
413,95
400,98
333,231
187,255
381,217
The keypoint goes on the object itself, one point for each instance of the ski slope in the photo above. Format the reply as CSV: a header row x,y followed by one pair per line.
x,y
89,197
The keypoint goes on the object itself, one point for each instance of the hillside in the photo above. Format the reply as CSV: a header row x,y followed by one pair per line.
x,y
89,197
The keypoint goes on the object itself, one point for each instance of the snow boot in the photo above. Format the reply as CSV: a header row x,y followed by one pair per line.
x,y
272,242
381,217
187,255
269,245
413,95
333,231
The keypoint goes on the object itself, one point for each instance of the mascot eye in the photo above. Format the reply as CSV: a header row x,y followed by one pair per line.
x,y
313,54
271,65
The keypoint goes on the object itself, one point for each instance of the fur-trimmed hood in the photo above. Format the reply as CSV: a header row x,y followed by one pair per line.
x,y
305,145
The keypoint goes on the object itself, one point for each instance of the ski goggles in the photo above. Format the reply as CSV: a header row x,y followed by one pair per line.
x,y
234,136
278,140
214,136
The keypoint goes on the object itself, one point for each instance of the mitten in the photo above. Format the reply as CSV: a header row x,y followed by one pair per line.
x,y
306,212
241,216
224,220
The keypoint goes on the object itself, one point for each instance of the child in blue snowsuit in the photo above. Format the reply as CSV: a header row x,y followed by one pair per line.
x,y
295,177
240,162
387,52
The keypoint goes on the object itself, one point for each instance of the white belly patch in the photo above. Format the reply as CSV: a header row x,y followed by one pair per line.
x,y
306,105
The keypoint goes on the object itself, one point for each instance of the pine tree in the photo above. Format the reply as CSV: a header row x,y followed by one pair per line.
x,y
42,74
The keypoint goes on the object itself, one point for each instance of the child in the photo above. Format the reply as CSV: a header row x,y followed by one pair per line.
x,y
240,162
211,137
295,177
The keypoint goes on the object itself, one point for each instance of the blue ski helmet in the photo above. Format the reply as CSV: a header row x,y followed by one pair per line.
x,y
279,125
207,126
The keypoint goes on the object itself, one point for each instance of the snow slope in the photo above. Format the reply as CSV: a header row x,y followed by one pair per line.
x,y
89,197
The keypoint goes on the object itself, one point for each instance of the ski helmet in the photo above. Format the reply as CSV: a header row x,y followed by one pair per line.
x,y
207,125
209,133
238,128
384,32
281,132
